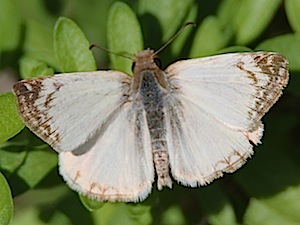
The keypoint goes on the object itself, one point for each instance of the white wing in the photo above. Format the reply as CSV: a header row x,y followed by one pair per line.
x,y
119,166
102,136
67,110
215,110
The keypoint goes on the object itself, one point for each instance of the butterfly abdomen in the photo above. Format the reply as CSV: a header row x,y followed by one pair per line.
x,y
152,97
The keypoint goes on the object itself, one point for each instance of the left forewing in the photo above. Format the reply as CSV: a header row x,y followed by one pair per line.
x,y
66,110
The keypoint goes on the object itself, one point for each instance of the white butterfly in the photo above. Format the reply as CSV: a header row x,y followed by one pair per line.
x,y
194,121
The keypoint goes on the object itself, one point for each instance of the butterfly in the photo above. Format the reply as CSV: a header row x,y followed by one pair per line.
x,y
190,123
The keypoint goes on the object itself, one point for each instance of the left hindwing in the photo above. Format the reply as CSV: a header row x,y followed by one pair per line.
x,y
214,110
118,166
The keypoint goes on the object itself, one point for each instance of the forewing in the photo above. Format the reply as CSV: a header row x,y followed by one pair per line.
x,y
236,89
119,166
214,111
67,110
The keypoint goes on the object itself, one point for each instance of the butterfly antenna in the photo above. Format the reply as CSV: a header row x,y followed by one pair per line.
x,y
174,36
111,52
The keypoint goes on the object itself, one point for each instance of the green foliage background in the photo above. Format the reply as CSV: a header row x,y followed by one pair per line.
x,y
36,40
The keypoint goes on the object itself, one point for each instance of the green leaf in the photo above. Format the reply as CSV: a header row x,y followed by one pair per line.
x,y
272,169
48,206
173,216
252,19
292,8
216,205
90,204
225,9
44,160
10,122
38,43
167,15
11,157
6,202
208,39
282,208
38,11
34,68
227,18
93,18
235,49
122,213
72,48
140,213
124,36
10,22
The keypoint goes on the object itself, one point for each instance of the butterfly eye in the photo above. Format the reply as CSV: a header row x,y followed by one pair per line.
x,y
132,67
157,62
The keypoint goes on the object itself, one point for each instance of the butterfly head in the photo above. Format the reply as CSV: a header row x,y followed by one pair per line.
x,y
145,60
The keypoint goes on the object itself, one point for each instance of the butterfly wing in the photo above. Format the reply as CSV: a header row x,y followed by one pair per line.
x,y
67,110
102,137
215,110
119,166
